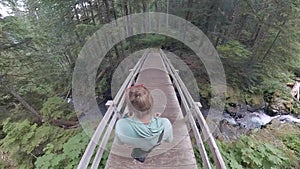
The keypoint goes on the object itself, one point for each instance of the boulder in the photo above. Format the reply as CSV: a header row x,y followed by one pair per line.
x,y
281,106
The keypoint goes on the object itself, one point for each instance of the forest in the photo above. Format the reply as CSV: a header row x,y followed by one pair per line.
x,y
257,40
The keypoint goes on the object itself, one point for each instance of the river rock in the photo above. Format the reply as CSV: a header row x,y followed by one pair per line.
x,y
276,123
281,106
3,109
255,103
228,132
237,111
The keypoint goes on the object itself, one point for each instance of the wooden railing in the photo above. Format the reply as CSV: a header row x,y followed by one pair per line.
x,y
106,125
192,111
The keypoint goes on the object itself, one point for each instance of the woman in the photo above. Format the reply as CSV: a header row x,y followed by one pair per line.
x,y
140,128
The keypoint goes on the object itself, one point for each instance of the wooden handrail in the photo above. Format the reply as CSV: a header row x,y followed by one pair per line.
x,y
190,105
109,118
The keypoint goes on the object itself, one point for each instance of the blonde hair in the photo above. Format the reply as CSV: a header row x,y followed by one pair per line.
x,y
139,100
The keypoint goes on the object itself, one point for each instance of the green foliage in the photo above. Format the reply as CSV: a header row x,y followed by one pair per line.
x,y
21,140
198,157
296,108
235,58
248,152
273,88
13,25
68,158
39,49
24,140
2,164
104,159
70,155
292,142
56,108
85,30
15,144
150,40
234,49
102,87
258,150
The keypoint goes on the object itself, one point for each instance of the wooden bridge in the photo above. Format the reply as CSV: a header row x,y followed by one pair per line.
x,y
155,71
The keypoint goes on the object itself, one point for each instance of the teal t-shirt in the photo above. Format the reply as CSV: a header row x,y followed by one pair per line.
x,y
133,132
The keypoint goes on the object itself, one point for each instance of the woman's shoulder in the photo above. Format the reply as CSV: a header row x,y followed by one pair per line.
x,y
163,119
122,123
127,122
166,122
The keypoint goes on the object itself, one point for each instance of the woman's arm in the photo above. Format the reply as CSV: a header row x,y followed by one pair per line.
x,y
168,130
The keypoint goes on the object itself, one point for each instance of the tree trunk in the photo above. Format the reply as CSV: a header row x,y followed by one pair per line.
x,y
255,34
189,13
117,52
259,39
188,16
26,105
76,14
209,19
84,10
100,16
242,24
271,46
107,18
128,26
228,34
144,5
156,6
114,10
92,13
115,17
65,124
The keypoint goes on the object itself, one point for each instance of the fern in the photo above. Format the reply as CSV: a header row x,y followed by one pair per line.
x,y
56,108
235,58
249,153
293,143
25,141
68,158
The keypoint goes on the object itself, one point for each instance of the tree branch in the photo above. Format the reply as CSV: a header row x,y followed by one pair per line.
x,y
23,101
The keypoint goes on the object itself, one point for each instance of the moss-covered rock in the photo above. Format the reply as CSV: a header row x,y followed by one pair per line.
x,y
282,105
256,100
296,108
233,96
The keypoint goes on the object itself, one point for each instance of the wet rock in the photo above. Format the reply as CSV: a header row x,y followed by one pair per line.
x,y
250,121
281,106
229,119
231,127
238,111
289,119
228,132
255,102
258,101
276,123
232,110
232,95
